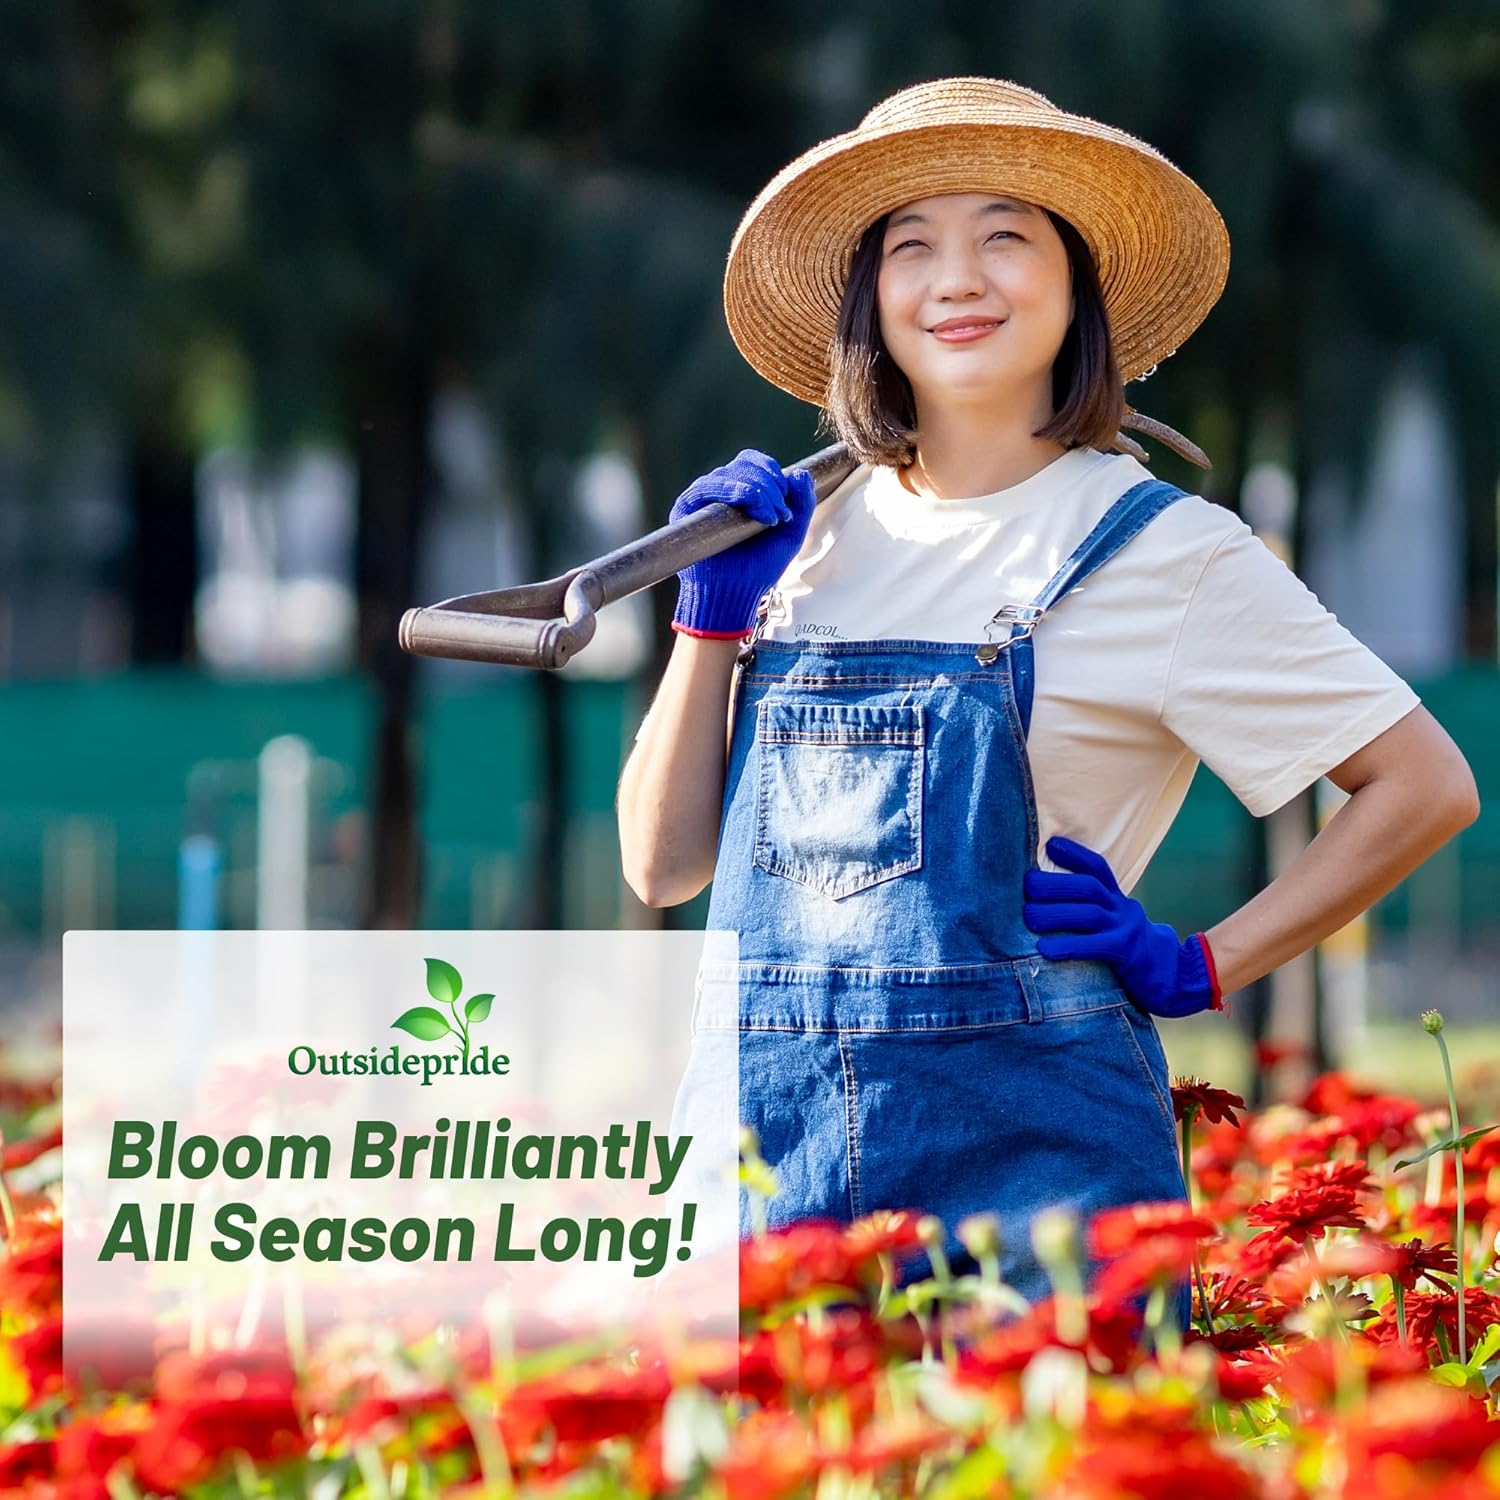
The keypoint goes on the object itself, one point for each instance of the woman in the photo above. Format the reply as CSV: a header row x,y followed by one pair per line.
x,y
999,641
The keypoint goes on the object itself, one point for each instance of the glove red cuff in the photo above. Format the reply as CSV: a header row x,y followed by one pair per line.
x,y
711,635
1217,1003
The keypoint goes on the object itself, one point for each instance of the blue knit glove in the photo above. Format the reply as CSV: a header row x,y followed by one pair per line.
x,y
1161,974
717,596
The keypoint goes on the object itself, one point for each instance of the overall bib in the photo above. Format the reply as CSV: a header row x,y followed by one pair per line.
x,y
902,1044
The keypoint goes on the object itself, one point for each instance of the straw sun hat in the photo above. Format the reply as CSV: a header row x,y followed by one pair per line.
x,y
1158,243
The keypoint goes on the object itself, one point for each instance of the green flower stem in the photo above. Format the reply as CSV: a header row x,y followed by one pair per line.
x,y
6,1209
942,1274
1166,1337
1327,1291
372,1471
1434,1027
1400,1307
463,1027
1188,1115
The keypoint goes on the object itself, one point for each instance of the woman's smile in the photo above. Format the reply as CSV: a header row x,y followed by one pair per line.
x,y
965,332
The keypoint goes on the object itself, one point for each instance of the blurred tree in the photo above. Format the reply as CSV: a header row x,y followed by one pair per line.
x,y
315,216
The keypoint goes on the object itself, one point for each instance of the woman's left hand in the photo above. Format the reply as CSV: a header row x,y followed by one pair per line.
x,y
1163,974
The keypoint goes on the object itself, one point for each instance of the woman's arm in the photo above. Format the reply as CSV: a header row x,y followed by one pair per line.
x,y
1410,790
672,788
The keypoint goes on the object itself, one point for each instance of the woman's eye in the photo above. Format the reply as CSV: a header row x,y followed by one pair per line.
x,y
998,234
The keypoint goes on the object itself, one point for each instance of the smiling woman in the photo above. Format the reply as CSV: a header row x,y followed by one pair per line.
x,y
954,260
981,676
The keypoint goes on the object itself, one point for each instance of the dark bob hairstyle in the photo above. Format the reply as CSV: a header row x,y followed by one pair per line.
x,y
870,405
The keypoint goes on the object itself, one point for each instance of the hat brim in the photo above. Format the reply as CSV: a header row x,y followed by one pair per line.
x,y
1159,245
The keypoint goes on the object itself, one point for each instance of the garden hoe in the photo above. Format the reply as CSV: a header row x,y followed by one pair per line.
x,y
546,624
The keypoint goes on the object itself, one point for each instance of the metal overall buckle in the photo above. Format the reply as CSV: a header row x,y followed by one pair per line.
x,y
1028,616
745,657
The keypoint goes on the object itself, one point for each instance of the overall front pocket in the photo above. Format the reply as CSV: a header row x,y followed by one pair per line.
x,y
839,795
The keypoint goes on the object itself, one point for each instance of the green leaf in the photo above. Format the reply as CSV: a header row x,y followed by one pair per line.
x,y
1462,1143
1487,1347
478,1008
424,1022
1461,1377
443,982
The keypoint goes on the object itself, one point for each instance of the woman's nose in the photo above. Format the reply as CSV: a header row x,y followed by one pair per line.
x,y
957,272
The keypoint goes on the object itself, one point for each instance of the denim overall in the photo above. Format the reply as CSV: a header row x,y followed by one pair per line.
x,y
902,1044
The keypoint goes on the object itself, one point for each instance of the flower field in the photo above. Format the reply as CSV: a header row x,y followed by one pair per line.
x,y
1341,1254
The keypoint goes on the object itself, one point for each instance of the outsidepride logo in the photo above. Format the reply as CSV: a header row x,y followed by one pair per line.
x,y
428,1024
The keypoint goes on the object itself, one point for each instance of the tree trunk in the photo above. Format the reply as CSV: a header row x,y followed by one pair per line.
x,y
394,407
163,565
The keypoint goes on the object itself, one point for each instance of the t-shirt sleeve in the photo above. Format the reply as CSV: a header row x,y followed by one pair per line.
x,y
1265,685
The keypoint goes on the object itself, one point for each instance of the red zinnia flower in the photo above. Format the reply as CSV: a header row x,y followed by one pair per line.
x,y
771,1455
188,1439
1157,1261
882,1232
1310,1370
31,1268
1204,1101
587,1403
1118,1229
38,1351
1111,1342
1418,1432
1247,1377
1305,1212
1414,1258
1232,1296
1330,1092
788,1262
1484,1154
1220,1150
25,1461
1425,1311
89,1447
1354,1175
1132,1458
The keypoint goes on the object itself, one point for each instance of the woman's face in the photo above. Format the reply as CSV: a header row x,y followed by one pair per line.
x,y
992,260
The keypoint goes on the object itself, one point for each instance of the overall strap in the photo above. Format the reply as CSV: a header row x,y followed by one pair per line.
x,y
1124,520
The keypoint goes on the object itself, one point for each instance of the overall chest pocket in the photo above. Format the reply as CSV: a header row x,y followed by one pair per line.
x,y
839,795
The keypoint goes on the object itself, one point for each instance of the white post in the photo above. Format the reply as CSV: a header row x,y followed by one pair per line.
x,y
282,833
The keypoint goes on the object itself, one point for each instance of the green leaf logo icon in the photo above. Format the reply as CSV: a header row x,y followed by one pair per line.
x,y
443,982
424,1022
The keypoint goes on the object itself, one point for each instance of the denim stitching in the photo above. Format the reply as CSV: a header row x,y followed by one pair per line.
x,y
854,732
1163,1105
851,1126
866,1028
871,737
894,679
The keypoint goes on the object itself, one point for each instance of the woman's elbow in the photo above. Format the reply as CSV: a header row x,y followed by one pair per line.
x,y
657,883
1465,799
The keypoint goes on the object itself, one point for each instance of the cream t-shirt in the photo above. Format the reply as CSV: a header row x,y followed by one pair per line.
x,y
1192,643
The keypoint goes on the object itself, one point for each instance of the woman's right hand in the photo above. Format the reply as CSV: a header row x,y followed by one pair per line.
x,y
718,595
